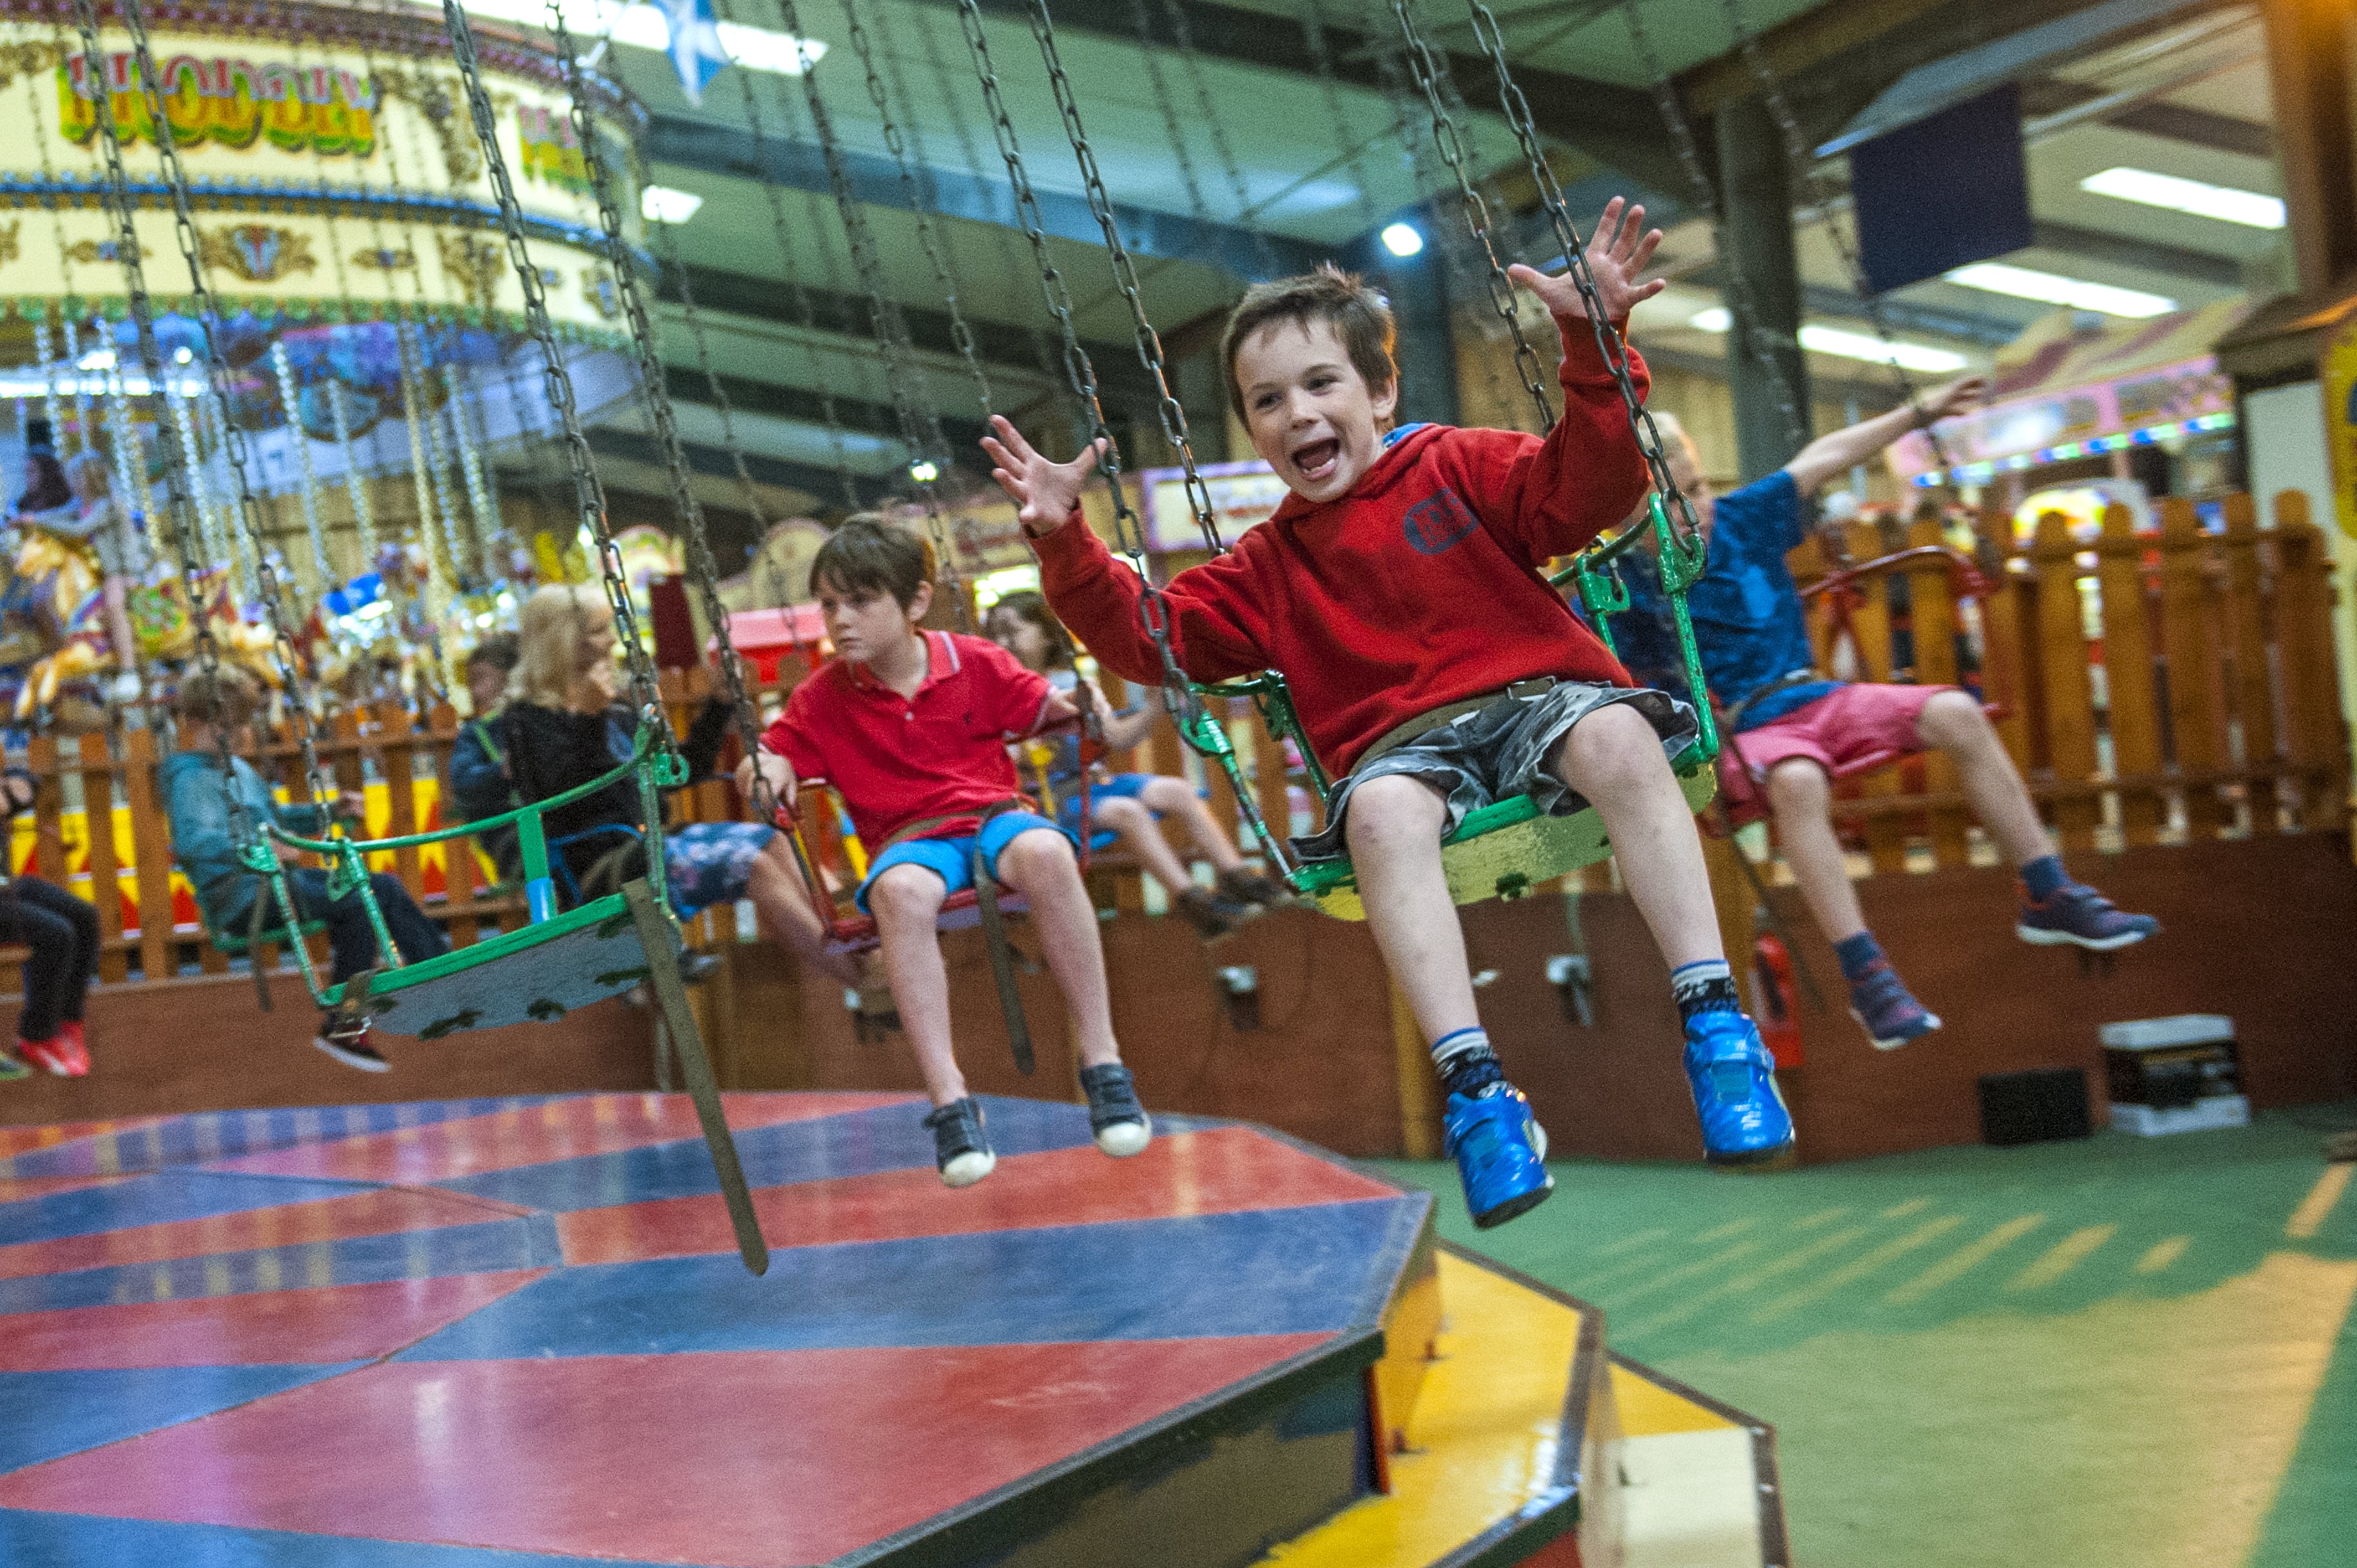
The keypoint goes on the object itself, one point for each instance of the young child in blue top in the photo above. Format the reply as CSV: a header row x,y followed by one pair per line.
x,y
1794,730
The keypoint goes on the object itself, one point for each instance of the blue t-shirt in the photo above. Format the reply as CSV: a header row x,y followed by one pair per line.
x,y
1746,607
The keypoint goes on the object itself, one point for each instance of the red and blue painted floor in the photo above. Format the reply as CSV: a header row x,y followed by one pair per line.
x,y
468,1334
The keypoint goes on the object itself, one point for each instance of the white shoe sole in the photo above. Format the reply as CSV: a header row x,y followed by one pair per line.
x,y
968,1168
1881,1044
365,1064
2043,939
1538,1140
1123,1139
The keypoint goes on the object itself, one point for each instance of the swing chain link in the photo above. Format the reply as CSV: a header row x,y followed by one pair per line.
x,y
1426,69
1763,346
928,240
211,326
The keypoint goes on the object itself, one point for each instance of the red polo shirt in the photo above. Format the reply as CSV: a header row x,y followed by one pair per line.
x,y
899,759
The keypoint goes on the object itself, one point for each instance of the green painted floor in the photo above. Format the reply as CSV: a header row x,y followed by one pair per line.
x,y
2122,1351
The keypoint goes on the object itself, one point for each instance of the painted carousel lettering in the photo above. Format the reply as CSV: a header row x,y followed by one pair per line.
x,y
232,103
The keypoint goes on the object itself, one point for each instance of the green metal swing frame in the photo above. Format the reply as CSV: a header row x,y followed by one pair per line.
x,y
1507,849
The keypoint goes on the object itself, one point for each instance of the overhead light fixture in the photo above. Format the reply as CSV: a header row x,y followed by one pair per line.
x,y
2053,288
1843,345
1402,240
2223,202
645,26
923,471
661,204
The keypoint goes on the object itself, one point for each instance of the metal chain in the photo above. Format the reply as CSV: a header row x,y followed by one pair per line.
x,y
283,366
920,426
961,334
180,511
589,495
1426,66
222,379
1149,50
1215,126
1329,89
1751,337
1818,193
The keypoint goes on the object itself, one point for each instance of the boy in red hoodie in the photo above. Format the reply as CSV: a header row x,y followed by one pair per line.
x,y
1399,589
911,727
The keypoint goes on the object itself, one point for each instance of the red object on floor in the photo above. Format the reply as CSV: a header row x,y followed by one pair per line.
x,y
1775,1003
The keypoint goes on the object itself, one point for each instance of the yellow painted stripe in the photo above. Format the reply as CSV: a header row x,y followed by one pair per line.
x,y
1912,1205
1957,1264
1798,1258
2317,1207
1685,1272
2160,1254
1484,1432
2062,1257
1857,1268
1648,1410
1822,1216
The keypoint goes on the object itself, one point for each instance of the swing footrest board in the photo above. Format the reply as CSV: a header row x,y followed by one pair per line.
x,y
960,911
536,975
1506,850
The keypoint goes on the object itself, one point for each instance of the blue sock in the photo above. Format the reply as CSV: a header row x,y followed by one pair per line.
x,y
1465,1061
2043,877
1857,954
1705,985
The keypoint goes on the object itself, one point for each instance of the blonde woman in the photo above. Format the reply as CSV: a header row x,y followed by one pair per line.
x,y
563,725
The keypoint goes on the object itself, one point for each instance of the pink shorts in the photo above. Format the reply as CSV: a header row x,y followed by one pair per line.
x,y
1851,729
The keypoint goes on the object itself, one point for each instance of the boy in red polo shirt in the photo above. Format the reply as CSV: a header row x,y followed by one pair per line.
x,y
1398,587
911,726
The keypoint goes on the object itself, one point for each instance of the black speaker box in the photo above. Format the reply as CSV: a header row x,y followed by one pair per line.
x,y
2034,1107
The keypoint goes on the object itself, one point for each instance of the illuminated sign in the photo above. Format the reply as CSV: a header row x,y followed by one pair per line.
x,y
230,102
1243,494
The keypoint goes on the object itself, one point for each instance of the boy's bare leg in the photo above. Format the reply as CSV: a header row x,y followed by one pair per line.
x,y
1614,758
906,901
776,888
1177,797
1038,864
1138,833
1953,722
1800,797
1394,833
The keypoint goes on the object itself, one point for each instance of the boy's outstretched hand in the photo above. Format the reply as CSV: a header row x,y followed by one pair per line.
x,y
1044,493
1616,252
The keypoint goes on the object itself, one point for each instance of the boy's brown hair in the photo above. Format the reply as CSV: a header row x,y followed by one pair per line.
x,y
869,553
225,701
1357,312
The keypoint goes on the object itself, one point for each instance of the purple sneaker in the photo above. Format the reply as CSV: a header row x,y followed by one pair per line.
x,y
2078,915
1883,1007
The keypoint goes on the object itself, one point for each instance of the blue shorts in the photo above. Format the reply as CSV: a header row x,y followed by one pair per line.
x,y
1119,787
952,859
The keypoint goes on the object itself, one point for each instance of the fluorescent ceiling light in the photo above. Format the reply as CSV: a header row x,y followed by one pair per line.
x,y
645,26
2222,202
923,471
661,204
1402,239
2053,288
1847,345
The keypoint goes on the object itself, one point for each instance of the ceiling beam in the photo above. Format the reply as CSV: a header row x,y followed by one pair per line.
x,y
717,148
2143,255
2045,95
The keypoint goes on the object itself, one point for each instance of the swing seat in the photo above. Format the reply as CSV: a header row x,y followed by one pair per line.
x,y
849,930
1506,850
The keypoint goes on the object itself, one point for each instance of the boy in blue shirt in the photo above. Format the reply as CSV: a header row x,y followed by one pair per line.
x,y
1793,730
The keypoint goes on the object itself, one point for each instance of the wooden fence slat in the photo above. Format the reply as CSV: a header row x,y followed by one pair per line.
x,y
1933,614
1886,836
151,858
2070,694
2247,633
48,810
2131,693
1272,791
2304,635
2197,729
2005,666
395,731
105,888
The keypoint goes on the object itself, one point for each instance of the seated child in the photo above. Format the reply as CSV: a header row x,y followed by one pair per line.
x,y
62,932
480,785
1793,729
563,727
197,800
1398,588
1125,806
911,727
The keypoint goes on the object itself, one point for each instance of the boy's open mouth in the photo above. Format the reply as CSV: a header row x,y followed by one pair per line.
x,y
1317,460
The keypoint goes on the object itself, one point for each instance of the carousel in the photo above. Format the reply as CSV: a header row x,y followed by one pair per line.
x,y
382,378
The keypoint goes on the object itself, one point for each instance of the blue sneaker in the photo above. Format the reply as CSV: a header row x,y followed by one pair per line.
x,y
1734,1081
1500,1152
2075,915
1889,1015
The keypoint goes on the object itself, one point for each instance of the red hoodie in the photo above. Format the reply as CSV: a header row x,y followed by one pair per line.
x,y
1420,588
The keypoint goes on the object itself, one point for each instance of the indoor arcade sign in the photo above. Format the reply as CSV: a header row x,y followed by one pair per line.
x,y
230,102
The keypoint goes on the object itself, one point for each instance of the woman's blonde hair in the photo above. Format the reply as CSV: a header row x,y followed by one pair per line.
x,y
552,625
